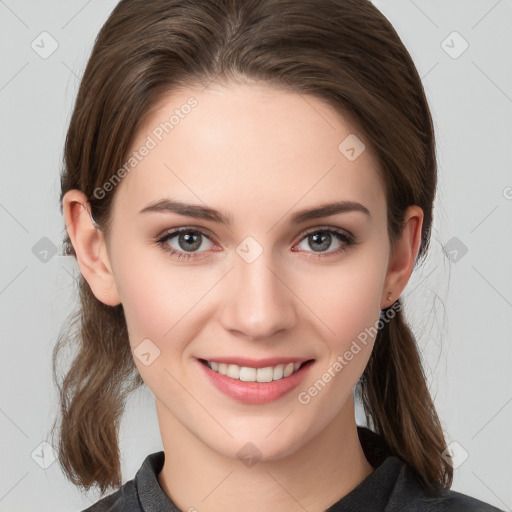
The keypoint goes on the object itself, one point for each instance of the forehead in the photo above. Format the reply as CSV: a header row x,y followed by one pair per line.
x,y
249,149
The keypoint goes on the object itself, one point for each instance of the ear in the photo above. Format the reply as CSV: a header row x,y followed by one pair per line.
x,y
403,256
90,247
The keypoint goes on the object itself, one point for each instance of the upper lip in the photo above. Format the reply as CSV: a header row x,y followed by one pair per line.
x,y
256,363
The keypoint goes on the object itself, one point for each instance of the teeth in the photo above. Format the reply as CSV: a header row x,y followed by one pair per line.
x,y
278,372
288,369
233,371
265,374
247,374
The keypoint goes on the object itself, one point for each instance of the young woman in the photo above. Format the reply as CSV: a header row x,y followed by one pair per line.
x,y
248,186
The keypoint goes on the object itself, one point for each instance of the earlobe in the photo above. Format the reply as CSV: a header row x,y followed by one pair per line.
x,y
90,248
403,256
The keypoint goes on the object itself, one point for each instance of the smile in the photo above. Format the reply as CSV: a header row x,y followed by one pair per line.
x,y
255,382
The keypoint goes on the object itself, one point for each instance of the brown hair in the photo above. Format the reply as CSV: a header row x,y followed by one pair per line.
x,y
344,52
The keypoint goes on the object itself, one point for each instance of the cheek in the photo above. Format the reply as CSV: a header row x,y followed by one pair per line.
x,y
346,298
155,299
164,302
347,301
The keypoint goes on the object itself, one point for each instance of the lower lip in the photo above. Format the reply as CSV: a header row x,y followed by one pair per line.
x,y
255,393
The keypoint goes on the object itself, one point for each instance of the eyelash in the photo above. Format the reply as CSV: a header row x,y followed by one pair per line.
x,y
346,238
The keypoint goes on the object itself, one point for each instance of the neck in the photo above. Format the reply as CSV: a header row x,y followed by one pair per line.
x,y
314,477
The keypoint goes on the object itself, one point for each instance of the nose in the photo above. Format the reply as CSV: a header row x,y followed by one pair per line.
x,y
258,301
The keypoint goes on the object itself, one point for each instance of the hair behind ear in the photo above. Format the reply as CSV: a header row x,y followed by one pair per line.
x,y
94,391
398,404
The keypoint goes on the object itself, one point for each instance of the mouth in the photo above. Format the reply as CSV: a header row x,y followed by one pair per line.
x,y
255,382
256,373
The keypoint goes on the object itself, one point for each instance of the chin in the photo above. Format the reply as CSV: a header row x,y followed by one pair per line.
x,y
256,441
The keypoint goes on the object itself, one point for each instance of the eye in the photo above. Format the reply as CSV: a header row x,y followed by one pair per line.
x,y
187,242
321,239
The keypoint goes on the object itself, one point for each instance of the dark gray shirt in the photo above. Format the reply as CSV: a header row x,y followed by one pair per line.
x,y
391,487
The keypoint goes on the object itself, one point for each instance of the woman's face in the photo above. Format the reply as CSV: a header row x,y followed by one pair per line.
x,y
254,279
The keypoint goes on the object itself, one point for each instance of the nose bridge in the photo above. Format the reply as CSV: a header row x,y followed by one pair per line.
x,y
258,302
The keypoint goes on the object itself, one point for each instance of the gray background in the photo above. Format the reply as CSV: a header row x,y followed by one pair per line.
x,y
459,301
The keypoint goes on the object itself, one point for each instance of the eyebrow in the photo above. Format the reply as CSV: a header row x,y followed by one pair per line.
x,y
197,211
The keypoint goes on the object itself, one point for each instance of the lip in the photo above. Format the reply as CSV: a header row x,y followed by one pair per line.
x,y
256,363
255,393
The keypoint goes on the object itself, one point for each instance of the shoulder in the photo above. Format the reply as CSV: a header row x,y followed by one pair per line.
x,y
143,487
123,500
399,487
408,494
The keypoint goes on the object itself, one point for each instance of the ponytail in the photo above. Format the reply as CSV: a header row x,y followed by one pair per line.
x,y
94,391
398,405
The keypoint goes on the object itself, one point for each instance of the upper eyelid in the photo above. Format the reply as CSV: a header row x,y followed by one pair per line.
x,y
171,233
342,231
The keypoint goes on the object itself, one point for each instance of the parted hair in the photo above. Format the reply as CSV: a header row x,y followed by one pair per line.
x,y
344,52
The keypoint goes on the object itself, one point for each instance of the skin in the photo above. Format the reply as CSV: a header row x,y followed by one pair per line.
x,y
258,154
